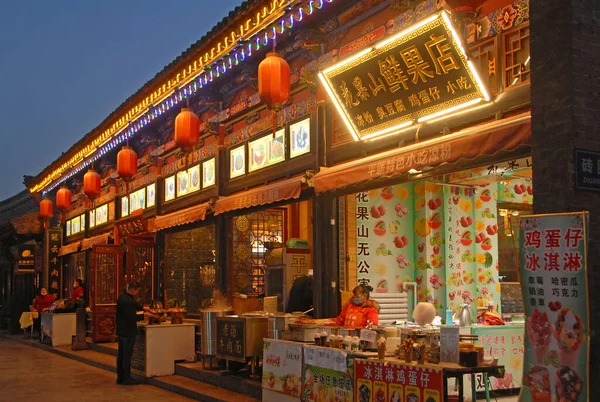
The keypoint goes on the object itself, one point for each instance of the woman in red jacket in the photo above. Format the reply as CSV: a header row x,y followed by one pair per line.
x,y
360,310
43,301
78,291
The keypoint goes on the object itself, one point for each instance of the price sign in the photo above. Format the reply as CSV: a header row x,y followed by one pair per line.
x,y
368,336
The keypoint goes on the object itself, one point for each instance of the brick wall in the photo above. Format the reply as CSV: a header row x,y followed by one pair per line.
x,y
565,88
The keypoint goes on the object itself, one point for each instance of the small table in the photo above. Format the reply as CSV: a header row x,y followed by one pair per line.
x,y
26,321
59,328
457,371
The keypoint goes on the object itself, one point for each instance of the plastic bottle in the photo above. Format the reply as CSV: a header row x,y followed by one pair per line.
x,y
355,343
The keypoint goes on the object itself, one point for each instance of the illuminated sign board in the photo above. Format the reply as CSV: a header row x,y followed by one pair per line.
x,y
418,74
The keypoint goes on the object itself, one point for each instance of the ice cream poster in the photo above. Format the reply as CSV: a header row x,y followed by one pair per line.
x,y
554,282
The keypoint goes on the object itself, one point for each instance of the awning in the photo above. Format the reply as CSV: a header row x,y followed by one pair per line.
x,y
188,215
270,193
69,249
484,140
95,241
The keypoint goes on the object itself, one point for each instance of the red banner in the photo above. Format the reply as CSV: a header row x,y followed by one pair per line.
x,y
382,381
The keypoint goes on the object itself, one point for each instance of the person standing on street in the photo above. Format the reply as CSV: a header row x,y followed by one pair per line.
x,y
129,312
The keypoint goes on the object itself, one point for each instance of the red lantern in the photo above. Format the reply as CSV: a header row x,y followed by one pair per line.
x,y
187,129
127,163
46,211
274,81
63,199
92,184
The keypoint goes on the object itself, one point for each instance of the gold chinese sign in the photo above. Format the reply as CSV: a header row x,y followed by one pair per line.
x,y
414,76
53,244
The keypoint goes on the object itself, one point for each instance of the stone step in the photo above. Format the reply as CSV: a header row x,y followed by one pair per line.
x,y
198,390
237,383
108,348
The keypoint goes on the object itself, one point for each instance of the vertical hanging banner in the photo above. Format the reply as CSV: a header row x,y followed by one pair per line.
x,y
554,281
53,243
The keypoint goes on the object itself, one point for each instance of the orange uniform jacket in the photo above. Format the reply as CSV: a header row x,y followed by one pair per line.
x,y
353,316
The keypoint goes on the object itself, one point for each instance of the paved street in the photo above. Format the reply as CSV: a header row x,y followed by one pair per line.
x,y
31,374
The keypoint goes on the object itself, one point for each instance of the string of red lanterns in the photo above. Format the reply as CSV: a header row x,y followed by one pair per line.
x,y
46,211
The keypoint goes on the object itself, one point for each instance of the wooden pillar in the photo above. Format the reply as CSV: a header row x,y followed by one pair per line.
x,y
326,271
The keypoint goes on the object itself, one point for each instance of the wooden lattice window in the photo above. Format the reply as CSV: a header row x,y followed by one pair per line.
x,y
190,267
250,233
140,266
73,268
484,56
517,66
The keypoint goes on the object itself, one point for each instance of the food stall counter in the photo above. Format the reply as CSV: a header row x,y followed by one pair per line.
x,y
158,347
57,329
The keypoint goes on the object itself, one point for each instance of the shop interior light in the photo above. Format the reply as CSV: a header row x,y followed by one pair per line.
x,y
449,110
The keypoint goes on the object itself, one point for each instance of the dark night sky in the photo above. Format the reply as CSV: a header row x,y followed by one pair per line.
x,y
65,65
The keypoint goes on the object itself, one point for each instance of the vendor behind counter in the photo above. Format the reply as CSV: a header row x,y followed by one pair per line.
x,y
360,311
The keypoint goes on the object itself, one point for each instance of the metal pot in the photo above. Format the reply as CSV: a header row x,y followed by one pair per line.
x,y
208,344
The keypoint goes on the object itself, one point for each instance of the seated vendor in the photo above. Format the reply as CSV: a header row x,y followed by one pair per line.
x,y
360,310
43,301
78,291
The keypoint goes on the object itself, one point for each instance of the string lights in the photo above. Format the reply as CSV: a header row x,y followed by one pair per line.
x,y
205,77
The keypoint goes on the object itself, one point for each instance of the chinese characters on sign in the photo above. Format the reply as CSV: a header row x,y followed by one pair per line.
x,y
53,239
587,170
26,261
554,283
412,76
231,338
385,381
327,375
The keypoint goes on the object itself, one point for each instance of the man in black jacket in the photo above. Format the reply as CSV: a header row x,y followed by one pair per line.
x,y
129,312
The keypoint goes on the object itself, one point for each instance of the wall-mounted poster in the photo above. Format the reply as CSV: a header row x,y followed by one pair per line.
x,y
101,215
257,152
276,148
208,173
170,188
68,228
300,138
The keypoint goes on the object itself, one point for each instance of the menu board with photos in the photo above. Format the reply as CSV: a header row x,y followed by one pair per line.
x,y
151,195
194,178
237,162
208,173
101,215
182,183
170,188
124,206
300,138
554,282
92,218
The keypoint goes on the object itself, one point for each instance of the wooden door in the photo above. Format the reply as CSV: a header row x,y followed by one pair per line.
x,y
140,265
105,289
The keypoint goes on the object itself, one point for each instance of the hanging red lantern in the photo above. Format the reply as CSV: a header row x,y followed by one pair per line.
x,y
46,211
127,163
274,81
187,129
63,199
92,184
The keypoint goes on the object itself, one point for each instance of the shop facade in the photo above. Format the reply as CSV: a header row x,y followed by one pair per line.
x,y
407,177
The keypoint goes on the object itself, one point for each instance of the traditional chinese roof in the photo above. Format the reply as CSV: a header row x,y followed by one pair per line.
x,y
17,206
149,86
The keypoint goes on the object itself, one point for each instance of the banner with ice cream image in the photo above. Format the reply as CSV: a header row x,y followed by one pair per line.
x,y
554,282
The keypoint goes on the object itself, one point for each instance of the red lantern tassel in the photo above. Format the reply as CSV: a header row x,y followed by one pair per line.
x,y
274,123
